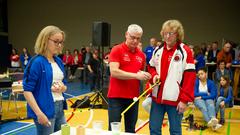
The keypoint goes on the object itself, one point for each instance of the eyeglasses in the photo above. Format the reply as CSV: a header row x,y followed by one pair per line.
x,y
57,43
134,37
169,33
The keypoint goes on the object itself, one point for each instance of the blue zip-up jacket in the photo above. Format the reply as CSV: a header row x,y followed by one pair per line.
x,y
200,61
37,79
228,99
212,90
226,72
149,51
22,58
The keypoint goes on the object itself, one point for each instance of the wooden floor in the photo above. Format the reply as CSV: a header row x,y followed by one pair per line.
x,y
82,116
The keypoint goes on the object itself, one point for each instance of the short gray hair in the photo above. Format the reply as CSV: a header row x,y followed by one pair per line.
x,y
134,28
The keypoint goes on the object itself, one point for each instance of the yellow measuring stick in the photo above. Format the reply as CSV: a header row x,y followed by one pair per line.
x,y
135,100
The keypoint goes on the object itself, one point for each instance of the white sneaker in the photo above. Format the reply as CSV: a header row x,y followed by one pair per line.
x,y
213,122
214,128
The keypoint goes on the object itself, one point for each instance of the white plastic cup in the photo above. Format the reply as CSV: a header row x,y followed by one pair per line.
x,y
116,128
97,125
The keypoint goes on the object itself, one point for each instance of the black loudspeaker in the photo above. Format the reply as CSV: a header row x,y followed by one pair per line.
x,y
5,51
101,34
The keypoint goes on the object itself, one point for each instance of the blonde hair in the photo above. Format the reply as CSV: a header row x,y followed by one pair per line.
x,y
174,25
42,39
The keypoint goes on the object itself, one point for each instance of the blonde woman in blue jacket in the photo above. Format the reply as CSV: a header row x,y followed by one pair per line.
x,y
44,82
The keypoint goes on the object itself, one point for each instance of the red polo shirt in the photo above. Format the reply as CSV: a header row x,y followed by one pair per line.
x,y
129,62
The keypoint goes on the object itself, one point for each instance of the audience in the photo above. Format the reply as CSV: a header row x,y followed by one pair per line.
x,y
15,59
212,58
221,70
199,58
67,61
25,57
225,97
205,93
150,48
225,54
77,60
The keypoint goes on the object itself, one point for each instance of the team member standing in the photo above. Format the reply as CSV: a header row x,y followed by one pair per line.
x,y
173,64
126,63
43,82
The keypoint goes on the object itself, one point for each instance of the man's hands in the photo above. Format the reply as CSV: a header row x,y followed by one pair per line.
x,y
142,75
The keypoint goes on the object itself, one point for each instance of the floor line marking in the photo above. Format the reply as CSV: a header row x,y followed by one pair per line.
x,y
18,129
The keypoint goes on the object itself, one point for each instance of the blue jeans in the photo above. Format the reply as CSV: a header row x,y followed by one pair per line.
x,y
206,107
156,119
222,110
56,121
94,81
116,106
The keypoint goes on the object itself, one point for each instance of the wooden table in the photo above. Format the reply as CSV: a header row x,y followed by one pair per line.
x,y
211,64
89,131
236,80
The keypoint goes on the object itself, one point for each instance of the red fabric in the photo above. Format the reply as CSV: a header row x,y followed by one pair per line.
x,y
187,90
129,62
68,60
227,57
14,58
80,60
152,71
147,86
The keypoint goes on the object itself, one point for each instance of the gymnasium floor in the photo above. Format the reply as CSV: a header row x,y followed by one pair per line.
x,y
26,127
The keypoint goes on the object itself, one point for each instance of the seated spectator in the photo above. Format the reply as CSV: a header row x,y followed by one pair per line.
x,y
225,55
225,97
77,60
205,93
222,70
24,58
212,58
199,58
67,61
15,59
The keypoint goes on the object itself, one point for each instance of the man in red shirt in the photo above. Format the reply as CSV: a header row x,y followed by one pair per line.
x,y
172,63
225,54
126,63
